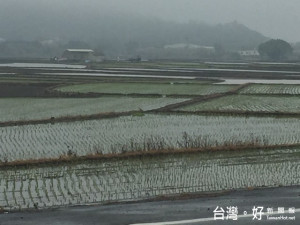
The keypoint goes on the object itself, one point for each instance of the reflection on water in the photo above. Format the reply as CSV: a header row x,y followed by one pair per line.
x,y
118,75
258,81
42,65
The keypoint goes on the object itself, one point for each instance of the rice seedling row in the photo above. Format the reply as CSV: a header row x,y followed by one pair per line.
x,y
272,89
148,88
150,132
290,104
137,178
14,109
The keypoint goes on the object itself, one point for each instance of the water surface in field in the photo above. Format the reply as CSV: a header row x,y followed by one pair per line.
x,y
258,81
119,75
251,63
41,65
242,70
151,69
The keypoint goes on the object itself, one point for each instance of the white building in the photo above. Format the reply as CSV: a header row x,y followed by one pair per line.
x,y
249,53
78,54
81,55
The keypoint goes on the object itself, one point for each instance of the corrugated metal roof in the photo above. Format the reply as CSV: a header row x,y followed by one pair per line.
x,y
79,50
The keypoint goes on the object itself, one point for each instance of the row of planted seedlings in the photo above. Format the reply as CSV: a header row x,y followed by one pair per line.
x,y
149,132
137,178
272,89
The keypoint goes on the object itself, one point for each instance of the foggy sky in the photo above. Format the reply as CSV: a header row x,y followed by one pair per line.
x,y
273,18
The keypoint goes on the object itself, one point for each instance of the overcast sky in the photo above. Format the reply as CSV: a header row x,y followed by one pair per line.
x,y
273,18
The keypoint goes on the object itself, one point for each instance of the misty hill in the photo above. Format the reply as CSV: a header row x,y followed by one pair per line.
x,y
114,34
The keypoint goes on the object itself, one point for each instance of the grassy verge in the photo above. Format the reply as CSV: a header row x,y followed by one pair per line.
x,y
73,158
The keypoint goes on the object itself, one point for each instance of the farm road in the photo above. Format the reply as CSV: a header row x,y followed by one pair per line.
x,y
163,211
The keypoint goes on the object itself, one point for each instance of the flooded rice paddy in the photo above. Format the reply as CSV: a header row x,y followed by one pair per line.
x,y
142,133
141,178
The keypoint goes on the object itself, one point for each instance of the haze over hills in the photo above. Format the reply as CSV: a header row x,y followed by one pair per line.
x,y
113,34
